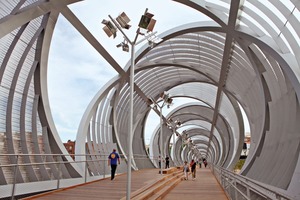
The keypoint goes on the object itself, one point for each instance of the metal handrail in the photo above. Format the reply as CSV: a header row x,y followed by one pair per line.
x,y
230,180
59,163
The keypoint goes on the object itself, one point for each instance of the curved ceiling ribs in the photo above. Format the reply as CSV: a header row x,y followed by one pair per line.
x,y
245,58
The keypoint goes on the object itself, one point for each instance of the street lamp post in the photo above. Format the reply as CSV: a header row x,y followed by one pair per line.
x,y
161,139
111,27
166,101
173,125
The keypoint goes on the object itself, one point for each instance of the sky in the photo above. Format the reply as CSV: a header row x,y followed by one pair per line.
x,y
76,71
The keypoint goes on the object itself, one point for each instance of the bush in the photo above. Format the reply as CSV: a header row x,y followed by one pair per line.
x,y
238,166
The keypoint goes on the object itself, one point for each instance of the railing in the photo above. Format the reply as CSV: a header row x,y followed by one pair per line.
x,y
238,187
55,166
51,167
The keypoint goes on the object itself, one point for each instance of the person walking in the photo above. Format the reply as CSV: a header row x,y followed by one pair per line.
x,y
205,162
193,169
159,162
113,161
186,170
200,163
167,162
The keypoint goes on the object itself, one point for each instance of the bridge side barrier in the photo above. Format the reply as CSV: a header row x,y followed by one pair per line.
x,y
240,187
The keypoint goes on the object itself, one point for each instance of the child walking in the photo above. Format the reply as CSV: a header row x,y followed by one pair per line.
x,y
186,170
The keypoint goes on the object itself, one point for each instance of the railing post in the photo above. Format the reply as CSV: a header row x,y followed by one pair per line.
x,y
15,178
235,188
59,174
248,190
105,163
222,178
85,170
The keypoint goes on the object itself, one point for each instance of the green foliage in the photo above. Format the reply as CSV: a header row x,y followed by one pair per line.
x,y
239,165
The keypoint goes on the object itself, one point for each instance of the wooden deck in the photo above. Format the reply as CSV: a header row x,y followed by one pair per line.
x,y
204,187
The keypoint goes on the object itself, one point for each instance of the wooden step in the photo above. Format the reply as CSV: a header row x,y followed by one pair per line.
x,y
163,192
159,188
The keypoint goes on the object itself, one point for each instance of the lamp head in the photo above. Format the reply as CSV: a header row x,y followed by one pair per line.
x,y
109,28
119,45
146,21
125,47
123,20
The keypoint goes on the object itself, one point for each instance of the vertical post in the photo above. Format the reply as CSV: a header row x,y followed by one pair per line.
x,y
85,170
130,123
104,168
174,146
161,139
15,178
59,173
248,189
235,188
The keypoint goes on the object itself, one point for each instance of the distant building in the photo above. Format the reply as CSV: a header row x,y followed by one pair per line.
x,y
247,138
70,146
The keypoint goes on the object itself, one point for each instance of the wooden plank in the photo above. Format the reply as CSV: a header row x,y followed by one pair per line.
x,y
204,187
103,189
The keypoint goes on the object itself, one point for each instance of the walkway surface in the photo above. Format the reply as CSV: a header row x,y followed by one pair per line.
x,y
204,187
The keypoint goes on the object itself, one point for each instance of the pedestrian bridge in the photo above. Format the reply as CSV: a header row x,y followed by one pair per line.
x,y
149,184
211,183
238,62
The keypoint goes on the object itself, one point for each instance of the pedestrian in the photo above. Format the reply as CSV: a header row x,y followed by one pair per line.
x,y
200,163
113,161
186,170
205,163
167,162
159,162
193,169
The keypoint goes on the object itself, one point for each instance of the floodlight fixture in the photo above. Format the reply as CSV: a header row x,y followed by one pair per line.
x,y
168,100
185,135
119,45
151,44
123,20
178,123
164,95
109,28
147,22
125,47
154,39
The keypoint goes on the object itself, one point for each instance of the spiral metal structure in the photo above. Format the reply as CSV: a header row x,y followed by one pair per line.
x,y
246,56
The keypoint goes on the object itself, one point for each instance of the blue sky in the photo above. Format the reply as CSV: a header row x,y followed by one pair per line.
x,y
76,71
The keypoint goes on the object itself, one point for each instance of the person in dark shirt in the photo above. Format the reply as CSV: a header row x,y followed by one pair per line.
x,y
159,162
167,162
193,169
113,161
